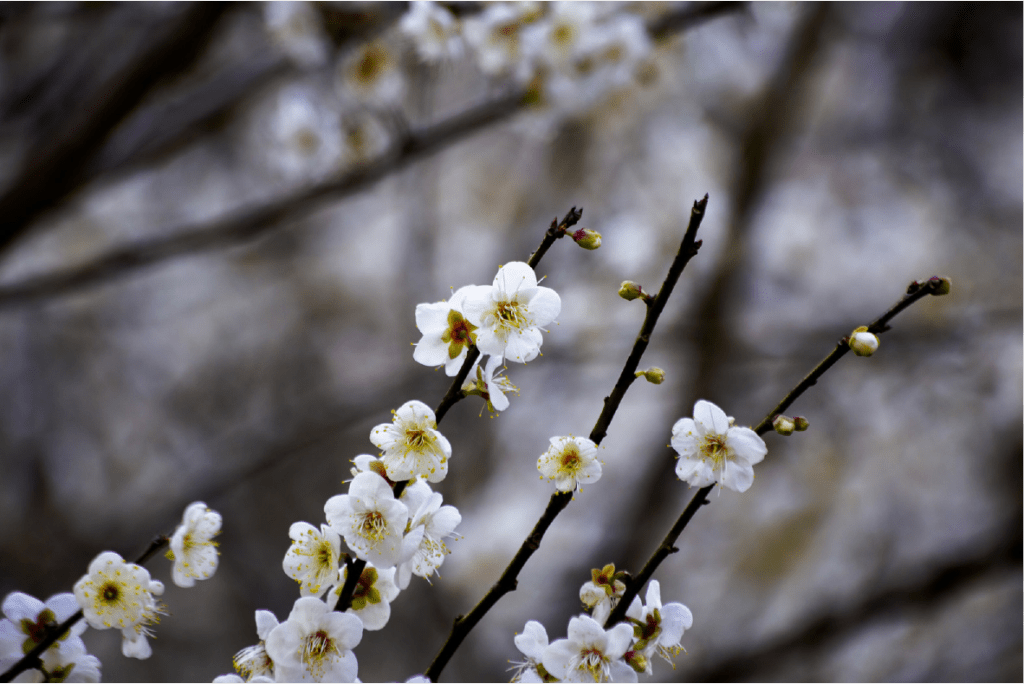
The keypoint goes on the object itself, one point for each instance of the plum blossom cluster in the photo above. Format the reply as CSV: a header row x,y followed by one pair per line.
x,y
503,320
569,56
593,653
113,594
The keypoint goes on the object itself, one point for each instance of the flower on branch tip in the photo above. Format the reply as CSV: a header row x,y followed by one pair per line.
x,y
531,643
658,628
653,375
862,342
602,593
315,644
28,621
941,285
590,653
447,335
312,559
370,520
430,524
253,662
120,595
629,291
372,596
412,445
485,383
192,547
587,238
509,314
712,449
570,461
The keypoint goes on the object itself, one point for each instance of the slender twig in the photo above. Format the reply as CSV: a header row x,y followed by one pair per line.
x,y
559,500
454,395
31,659
246,225
915,291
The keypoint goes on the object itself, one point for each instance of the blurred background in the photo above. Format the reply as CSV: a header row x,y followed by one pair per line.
x,y
216,223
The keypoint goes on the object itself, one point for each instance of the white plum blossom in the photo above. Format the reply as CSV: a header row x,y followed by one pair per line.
x,y
305,135
447,335
253,662
555,41
531,643
372,596
370,520
366,463
495,35
488,385
412,445
862,342
509,314
591,654
315,644
712,449
25,626
298,29
312,559
120,595
433,30
570,461
437,523
371,75
658,628
192,547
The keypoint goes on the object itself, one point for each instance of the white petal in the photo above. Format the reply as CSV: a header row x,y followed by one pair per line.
x,y
619,638
696,472
545,306
432,319
746,445
710,417
738,476
532,642
514,277
431,351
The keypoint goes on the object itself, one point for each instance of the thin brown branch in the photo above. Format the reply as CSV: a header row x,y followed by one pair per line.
x,y
667,547
508,581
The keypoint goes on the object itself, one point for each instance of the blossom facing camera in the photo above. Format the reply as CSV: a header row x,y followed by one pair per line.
x,y
570,461
862,342
447,335
120,595
711,449
509,314
590,653
412,445
369,519
315,643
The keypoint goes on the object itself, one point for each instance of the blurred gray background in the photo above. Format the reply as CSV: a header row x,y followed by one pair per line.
x,y
846,150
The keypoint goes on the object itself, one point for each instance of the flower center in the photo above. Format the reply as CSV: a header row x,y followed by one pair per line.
x,y
316,650
592,660
374,527
111,593
416,438
570,460
374,61
714,449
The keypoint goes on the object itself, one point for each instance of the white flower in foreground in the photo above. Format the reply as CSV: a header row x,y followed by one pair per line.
x,y
412,445
491,387
433,30
192,547
531,643
253,662
437,523
447,335
315,644
312,559
711,449
591,654
570,461
298,29
370,520
372,597
25,626
119,595
510,313
862,342
658,628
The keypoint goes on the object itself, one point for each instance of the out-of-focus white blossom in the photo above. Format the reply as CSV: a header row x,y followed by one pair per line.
x,y
192,547
25,626
496,35
298,29
371,74
304,140
433,30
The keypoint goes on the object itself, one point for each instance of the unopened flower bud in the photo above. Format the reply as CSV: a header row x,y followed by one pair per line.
x,y
654,375
784,425
800,423
586,238
862,342
636,660
630,290
940,285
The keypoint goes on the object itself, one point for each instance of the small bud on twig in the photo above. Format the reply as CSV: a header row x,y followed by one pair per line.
x,y
654,375
862,342
784,425
630,291
940,285
586,238
800,423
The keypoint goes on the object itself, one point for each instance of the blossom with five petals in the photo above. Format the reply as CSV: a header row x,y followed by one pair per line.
x,y
712,449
